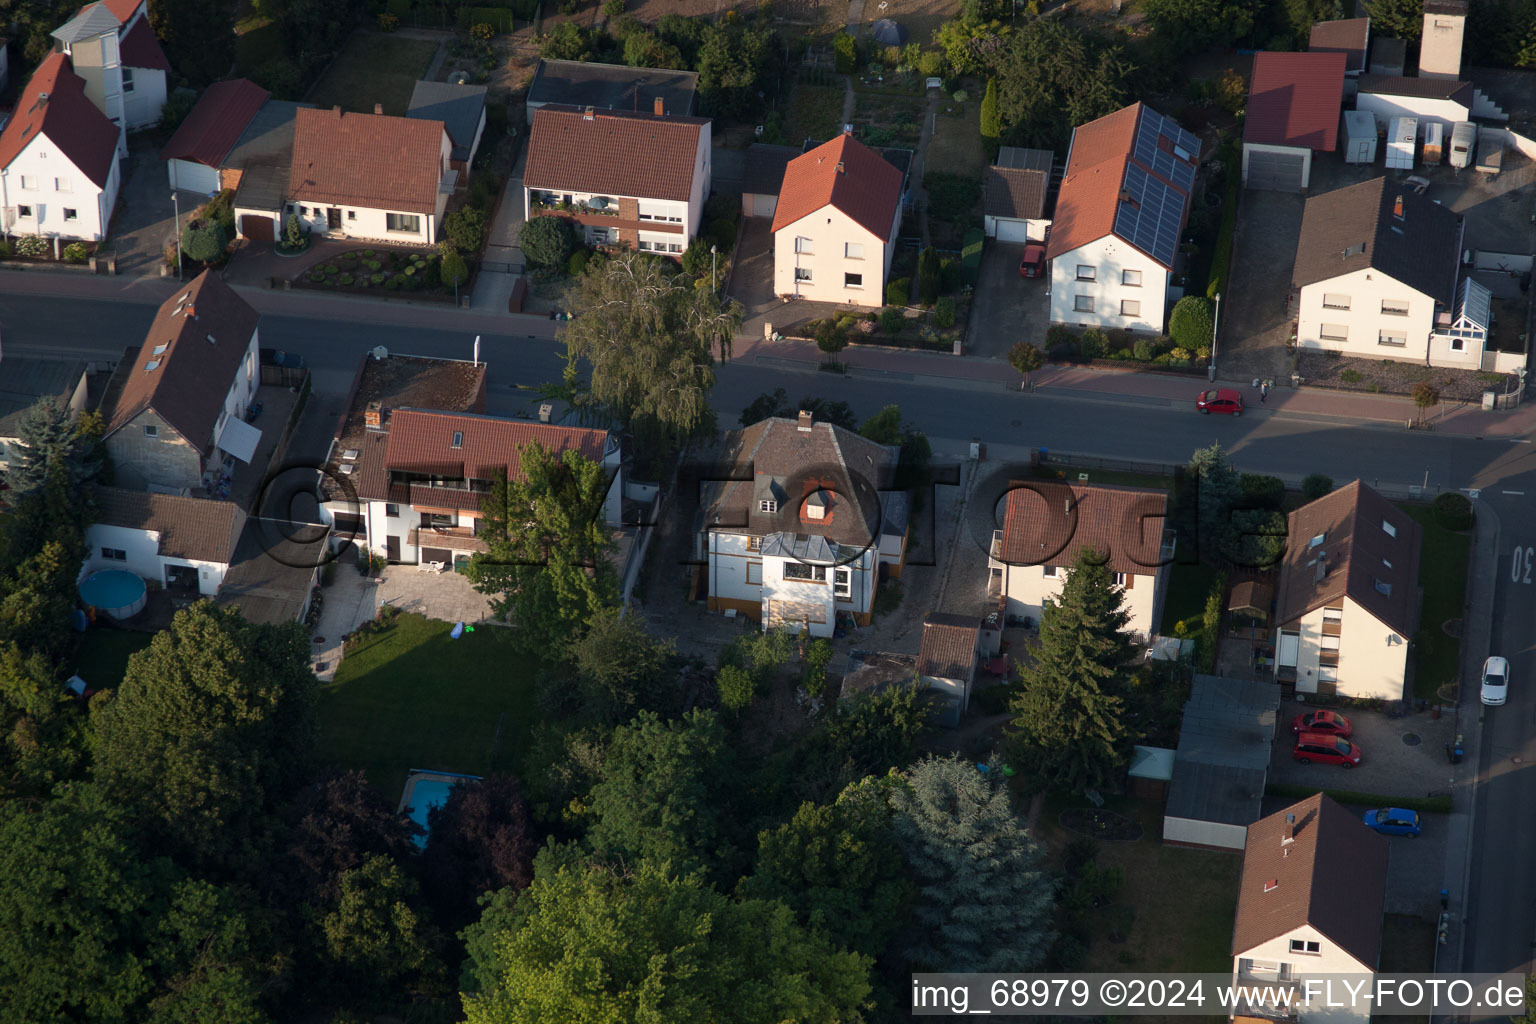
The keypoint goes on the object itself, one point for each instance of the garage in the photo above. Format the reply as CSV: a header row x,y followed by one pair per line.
x,y
257,227
1012,230
1015,195
190,176
1293,112
1275,170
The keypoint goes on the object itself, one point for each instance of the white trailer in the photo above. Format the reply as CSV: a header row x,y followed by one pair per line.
x,y
1359,137
1434,143
1463,144
1402,143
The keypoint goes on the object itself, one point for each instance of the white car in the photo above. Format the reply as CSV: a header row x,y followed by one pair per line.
x,y
1495,681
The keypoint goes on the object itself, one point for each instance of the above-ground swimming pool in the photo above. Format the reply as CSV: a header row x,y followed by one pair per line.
x,y
118,593
426,790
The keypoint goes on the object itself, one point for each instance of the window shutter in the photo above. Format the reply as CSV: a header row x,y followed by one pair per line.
x,y
1130,581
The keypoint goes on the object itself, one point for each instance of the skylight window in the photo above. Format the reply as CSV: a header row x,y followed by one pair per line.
x,y
458,439
1317,542
160,349
153,364
1388,528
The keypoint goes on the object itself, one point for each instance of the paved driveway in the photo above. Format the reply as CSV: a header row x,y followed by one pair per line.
x,y
145,221
1393,764
1006,308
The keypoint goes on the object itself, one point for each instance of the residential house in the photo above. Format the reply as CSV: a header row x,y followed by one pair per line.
x,y
581,84
1349,36
27,380
623,178
184,544
59,175
369,176
1431,100
461,108
1445,22
1123,204
800,525
416,454
196,155
175,411
1376,277
835,224
1293,112
1016,189
1221,766
1047,524
258,168
946,663
111,45
1310,903
1348,598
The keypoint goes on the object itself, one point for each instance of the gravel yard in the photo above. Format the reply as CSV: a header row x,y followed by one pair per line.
x,y
1393,378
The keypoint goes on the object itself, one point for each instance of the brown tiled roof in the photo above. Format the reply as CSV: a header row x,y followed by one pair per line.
x,y
1294,100
948,650
1046,522
54,104
421,441
216,123
201,529
1424,88
1356,551
1357,227
614,153
1332,876
122,9
193,374
787,465
1349,36
140,48
1016,192
373,161
845,174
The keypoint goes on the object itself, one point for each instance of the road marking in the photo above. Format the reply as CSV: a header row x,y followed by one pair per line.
x,y
1515,494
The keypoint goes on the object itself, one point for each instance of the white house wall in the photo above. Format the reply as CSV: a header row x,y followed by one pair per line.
x,y
830,231
1110,258
1331,958
192,176
242,390
1384,108
362,223
699,192
144,559
1027,588
44,162
1363,321
142,106
1369,666
1194,832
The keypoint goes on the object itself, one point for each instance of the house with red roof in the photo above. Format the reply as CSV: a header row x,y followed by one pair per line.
x,y
1294,100
1123,202
111,45
630,178
835,224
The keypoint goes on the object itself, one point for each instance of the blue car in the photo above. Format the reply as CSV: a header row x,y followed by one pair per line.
x,y
1393,821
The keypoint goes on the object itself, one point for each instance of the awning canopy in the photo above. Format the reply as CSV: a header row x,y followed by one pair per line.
x,y
239,439
1252,598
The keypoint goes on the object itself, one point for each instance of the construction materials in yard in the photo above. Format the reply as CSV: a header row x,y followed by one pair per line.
x,y
1463,144
1490,154
1434,143
1359,137
1402,143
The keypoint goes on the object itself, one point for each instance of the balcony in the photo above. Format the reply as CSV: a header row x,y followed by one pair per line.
x,y
600,206
455,538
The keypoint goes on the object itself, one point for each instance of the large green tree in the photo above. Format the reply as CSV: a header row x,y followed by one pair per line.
x,y
482,839
372,942
1052,77
51,443
1401,18
333,825
1183,27
210,731
617,668
1203,504
594,945
546,563
199,37
738,70
985,903
1068,734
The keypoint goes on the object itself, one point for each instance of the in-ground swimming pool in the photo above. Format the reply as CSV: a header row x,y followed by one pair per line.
x,y
424,791
118,593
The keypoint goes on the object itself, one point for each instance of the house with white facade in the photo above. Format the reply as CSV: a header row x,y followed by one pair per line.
x,y
175,411
1115,234
1047,524
369,176
800,525
198,153
185,544
624,178
1443,101
111,45
59,174
1013,202
416,455
1348,598
1376,277
835,224
1310,903
1292,112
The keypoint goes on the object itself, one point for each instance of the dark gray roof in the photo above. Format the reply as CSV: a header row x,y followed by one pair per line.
x,y
92,21
1023,159
1423,88
1224,748
263,187
270,577
459,107
1357,227
765,168
895,509
269,136
806,548
24,380
612,87
1016,192
1445,7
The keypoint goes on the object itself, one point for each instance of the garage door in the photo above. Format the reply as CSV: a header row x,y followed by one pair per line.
x,y
1276,172
1012,230
191,177
256,227
436,555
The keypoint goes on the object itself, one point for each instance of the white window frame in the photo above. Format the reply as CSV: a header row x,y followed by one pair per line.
x,y
1335,300
855,281
1392,340
1082,303
152,431
1307,947
818,573
1130,307
805,246
1388,529
768,506
1394,307
62,185
853,250
755,569
127,79
1458,344
23,211
1086,272
802,274
1048,571
1340,332
71,213
842,583
114,554
394,223
1130,278
29,183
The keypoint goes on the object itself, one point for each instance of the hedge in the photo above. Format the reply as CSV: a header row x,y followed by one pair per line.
x,y
1425,805
499,18
1221,260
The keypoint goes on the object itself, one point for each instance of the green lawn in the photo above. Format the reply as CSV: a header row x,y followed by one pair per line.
x,y
414,698
374,68
103,655
1189,585
1443,578
815,112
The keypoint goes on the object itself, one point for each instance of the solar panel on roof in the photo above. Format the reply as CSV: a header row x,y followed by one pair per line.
x,y
1150,219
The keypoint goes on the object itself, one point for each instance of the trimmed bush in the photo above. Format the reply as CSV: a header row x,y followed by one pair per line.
x,y
1144,350
928,276
944,313
1268,491
899,291
1454,511
546,242
466,229
1093,343
845,49
378,278
345,279
203,240
1191,323
892,321
453,269
76,252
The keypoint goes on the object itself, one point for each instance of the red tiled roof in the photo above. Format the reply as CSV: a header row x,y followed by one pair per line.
x,y
421,441
1049,523
67,117
948,649
1294,100
123,10
374,161
1349,36
1090,189
845,174
140,48
214,125
203,529
613,153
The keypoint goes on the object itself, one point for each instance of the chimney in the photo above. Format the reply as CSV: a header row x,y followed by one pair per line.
x,y
336,110
1272,885
1397,208
378,108
590,114
839,167
373,417
805,421
546,412
190,309
660,110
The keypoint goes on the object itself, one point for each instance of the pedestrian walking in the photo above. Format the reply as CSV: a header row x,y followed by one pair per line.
x,y
1263,391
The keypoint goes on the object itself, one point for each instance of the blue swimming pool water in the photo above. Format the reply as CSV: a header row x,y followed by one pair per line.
x,y
111,588
425,795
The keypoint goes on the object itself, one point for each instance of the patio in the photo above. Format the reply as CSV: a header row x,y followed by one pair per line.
x,y
446,596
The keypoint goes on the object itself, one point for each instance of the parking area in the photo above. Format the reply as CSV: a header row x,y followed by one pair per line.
x,y
145,221
1007,308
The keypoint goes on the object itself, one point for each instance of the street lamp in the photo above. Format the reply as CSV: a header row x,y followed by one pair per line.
x,y
1215,322
176,205
712,263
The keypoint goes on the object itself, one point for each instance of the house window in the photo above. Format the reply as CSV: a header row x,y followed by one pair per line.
x,y
805,246
1334,332
842,583
458,439
29,182
391,511
1130,307
853,280
1082,303
114,554
1048,571
768,505
1120,579
151,431
853,251
1391,338
1085,272
127,79
61,185
1382,587
1130,278
802,273
754,544
402,222
351,215
808,573
1458,344
1333,300
1306,946
1388,529
70,214
754,572
23,213
674,247
1394,307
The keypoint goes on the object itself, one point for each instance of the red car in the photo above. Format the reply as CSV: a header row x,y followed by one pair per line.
x,y
1330,722
1223,400
1325,748
1033,263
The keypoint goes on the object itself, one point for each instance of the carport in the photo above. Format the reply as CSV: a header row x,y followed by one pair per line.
x,y
259,202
